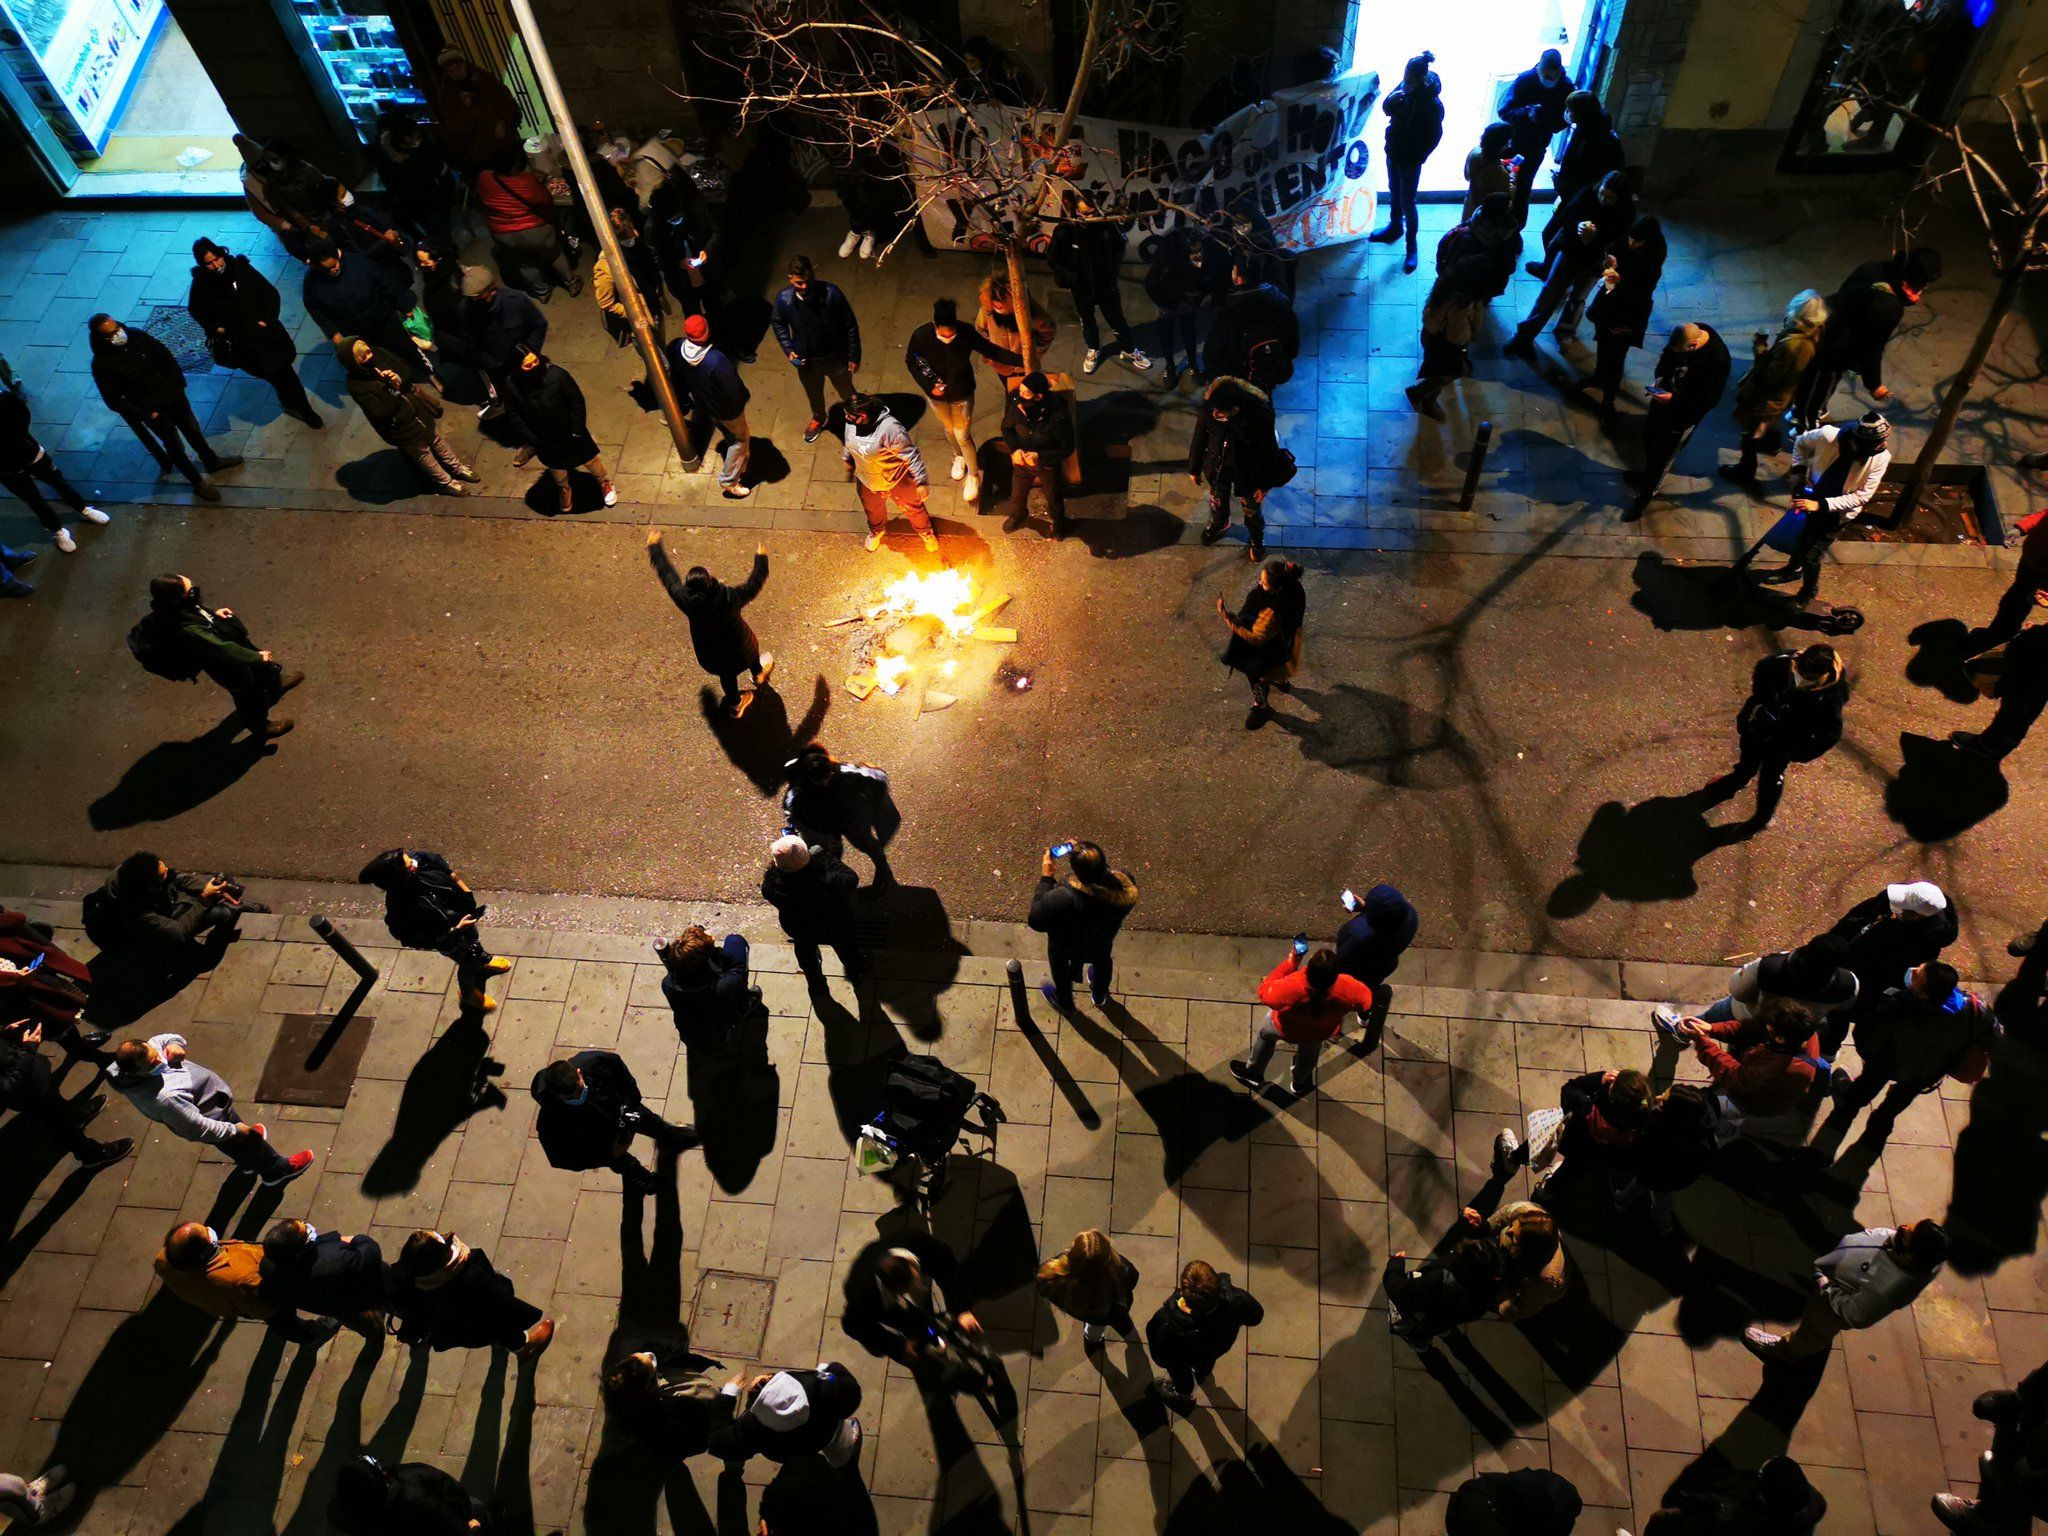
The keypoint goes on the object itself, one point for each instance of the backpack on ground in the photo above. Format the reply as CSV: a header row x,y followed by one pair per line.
x,y
162,650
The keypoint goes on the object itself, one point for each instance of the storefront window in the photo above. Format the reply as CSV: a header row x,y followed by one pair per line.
x,y
364,60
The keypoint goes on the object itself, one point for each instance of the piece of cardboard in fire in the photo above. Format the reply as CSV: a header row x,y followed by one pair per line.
x,y
885,665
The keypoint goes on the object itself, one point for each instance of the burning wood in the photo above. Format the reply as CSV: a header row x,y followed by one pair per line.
x,y
919,618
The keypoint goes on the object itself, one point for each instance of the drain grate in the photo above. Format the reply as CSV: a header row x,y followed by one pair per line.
x,y
171,325
730,1316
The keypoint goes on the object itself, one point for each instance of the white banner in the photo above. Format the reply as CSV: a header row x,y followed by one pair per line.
x,y
1301,157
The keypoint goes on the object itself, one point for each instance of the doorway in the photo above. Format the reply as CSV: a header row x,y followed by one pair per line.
x,y
1480,46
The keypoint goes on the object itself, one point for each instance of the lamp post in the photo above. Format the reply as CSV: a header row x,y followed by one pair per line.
x,y
622,279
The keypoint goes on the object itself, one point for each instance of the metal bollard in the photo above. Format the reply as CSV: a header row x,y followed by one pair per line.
x,y
337,941
1480,444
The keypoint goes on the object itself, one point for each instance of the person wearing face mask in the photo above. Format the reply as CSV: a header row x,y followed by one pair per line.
x,y
1837,471
1233,450
887,470
448,1296
329,1274
1773,380
818,332
1862,316
1475,262
1591,151
151,916
1534,108
214,641
351,295
590,1111
1692,375
995,321
161,1082
1038,431
1793,715
404,412
1190,269
362,224
142,384
1086,256
24,461
1414,111
239,310
224,1279
549,401
1595,223
478,116
940,358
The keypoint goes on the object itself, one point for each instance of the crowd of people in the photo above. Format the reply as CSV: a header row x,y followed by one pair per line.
x,y
383,285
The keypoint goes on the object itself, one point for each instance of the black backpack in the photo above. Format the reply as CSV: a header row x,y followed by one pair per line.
x,y
924,1102
162,650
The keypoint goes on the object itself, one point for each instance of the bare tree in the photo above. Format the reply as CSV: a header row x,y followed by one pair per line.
x,y
850,81
1991,154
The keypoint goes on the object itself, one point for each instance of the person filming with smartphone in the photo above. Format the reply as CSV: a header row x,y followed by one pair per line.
x,y
1080,918
1309,998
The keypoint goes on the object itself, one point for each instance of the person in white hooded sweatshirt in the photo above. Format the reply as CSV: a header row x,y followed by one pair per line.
x,y
787,1414
886,467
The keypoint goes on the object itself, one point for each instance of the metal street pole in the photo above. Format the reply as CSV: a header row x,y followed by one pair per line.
x,y
622,279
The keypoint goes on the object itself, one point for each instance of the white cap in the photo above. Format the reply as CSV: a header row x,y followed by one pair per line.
x,y
782,1404
1918,898
790,852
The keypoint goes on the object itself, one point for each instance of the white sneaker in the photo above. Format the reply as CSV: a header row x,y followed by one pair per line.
x,y
959,467
867,246
1094,1333
874,542
93,515
611,495
1092,361
65,542
970,489
1138,359
848,245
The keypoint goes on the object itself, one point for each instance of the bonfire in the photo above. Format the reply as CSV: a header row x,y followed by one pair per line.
x,y
911,630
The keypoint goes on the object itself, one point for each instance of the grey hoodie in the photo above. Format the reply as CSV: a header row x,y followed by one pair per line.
x,y
884,457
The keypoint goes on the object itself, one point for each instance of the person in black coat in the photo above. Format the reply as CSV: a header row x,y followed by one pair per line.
x,y
1369,947
348,293
661,1393
142,384
940,358
830,803
428,906
1531,1501
1534,108
811,891
1038,431
1793,715
29,1088
1414,111
1590,152
1265,634
905,1301
1595,223
590,1111
404,411
498,327
1774,1499
782,1415
1233,450
549,402
216,642
447,1296
819,333
1190,270
711,382
1080,918
1906,924
238,309
413,1498
719,633
1692,375
24,461
326,1273
1194,1328
687,236
1087,253
706,985
414,172
1620,310
1445,1291
1863,314
1255,335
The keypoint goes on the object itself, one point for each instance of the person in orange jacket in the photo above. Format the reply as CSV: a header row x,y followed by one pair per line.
x,y
1309,1002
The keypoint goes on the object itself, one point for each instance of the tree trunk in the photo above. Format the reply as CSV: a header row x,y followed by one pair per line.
x,y
1020,301
1013,252
2002,302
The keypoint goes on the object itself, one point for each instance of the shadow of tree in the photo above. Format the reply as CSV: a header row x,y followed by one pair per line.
x,y
1382,737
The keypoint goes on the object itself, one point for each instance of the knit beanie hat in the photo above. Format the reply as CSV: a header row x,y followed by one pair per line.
x,y
790,853
782,1404
477,281
697,328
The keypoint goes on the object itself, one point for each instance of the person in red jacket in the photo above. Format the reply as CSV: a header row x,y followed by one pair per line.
x,y
1763,1065
1309,1003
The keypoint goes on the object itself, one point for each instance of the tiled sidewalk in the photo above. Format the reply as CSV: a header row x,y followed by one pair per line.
x,y
1124,1120
1373,475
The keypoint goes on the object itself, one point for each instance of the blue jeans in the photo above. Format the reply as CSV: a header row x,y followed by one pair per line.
x,y
1402,179
1720,1013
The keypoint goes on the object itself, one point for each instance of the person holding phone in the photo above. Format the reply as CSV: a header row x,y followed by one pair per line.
x,y
1308,1002
1080,918
1370,945
428,906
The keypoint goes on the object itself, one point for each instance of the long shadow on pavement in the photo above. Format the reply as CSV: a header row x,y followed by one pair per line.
x,y
449,1083
762,741
1941,791
174,777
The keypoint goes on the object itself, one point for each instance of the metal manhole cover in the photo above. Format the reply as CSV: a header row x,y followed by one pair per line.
x,y
171,325
730,1317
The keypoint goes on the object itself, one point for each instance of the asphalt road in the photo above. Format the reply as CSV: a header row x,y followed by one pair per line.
x,y
1481,731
